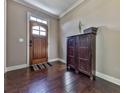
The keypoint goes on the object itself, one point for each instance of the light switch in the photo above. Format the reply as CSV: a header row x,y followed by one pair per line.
x,y
21,40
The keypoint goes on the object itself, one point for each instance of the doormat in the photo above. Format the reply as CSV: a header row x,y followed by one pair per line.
x,y
37,67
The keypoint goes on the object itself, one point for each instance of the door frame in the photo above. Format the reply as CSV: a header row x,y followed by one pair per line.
x,y
28,36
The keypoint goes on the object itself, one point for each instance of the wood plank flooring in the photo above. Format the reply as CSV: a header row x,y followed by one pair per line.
x,y
55,79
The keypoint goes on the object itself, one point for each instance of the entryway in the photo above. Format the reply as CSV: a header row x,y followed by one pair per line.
x,y
38,43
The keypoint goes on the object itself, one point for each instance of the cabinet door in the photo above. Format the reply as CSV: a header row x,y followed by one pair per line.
x,y
71,51
84,58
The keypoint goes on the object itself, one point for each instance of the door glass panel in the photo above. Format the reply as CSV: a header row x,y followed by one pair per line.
x,y
35,32
43,29
42,33
45,22
35,27
33,18
39,20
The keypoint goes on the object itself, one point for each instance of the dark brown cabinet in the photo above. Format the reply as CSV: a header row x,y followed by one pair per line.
x,y
81,52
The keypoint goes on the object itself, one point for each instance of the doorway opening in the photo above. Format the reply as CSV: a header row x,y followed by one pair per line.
x,y
37,41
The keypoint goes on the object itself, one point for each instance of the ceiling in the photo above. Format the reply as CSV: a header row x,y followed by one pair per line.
x,y
56,7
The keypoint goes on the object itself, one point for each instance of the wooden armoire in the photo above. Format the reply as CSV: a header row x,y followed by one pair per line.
x,y
81,50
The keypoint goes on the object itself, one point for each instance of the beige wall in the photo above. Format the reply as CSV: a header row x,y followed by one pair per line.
x,y
16,28
101,13
105,15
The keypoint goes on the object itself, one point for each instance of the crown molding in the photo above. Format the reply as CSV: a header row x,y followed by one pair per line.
x,y
71,8
48,13
36,8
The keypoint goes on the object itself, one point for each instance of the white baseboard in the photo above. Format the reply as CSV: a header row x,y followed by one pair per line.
x,y
5,70
52,60
56,59
108,78
15,67
63,61
26,65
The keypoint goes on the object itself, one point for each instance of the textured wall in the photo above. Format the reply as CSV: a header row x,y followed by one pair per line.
x,y
17,28
105,15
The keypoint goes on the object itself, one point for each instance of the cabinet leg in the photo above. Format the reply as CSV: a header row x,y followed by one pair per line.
x,y
91,77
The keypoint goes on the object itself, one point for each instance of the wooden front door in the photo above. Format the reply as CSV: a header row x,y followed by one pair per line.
x,y
38,42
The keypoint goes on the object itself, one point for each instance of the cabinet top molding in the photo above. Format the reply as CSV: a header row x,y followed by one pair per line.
x,y
90,30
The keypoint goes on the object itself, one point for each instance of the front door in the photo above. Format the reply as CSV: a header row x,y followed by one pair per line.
x,y
38,42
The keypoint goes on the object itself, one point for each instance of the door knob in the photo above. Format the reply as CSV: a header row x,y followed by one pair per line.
x,y
30,44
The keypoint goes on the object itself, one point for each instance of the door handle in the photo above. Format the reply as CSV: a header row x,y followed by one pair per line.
x,y
30,43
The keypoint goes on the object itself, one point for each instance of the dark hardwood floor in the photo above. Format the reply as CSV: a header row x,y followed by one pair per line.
x,y
55,79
